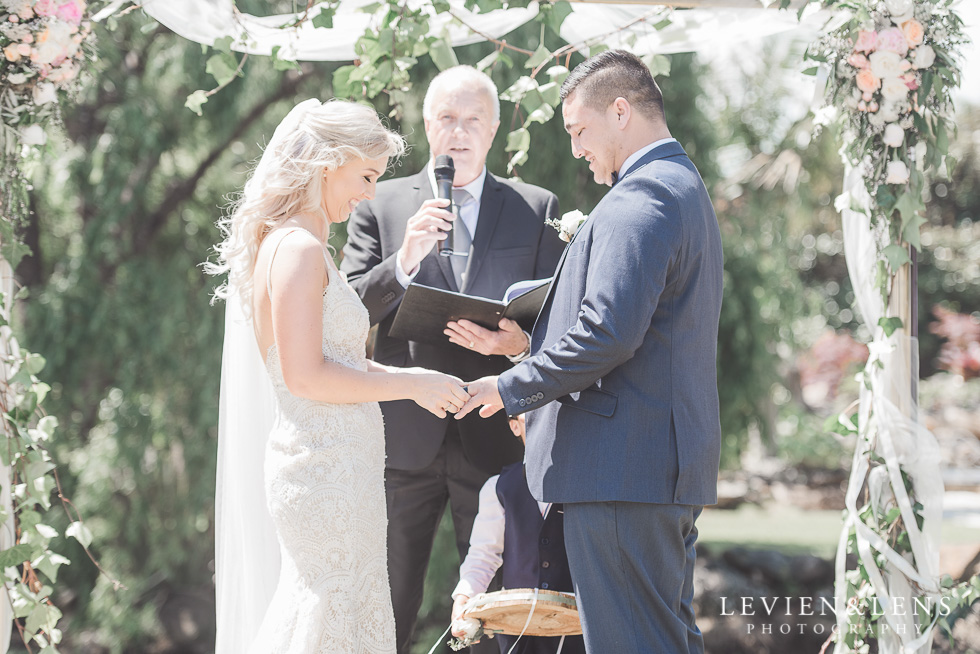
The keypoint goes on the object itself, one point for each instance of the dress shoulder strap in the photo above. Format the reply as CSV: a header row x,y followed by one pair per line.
x,y
272,257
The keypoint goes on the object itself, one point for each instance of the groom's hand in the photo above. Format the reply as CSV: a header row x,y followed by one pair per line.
x,y
508,340
483,393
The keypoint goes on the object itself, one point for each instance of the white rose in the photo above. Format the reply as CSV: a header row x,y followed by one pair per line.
x,y
33,135
903,18
925,57
45,93
894,135
885,64
899,7
920,151
469,626
896,173
890,112
894,89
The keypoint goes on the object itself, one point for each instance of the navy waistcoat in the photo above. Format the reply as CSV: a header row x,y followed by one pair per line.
x,y
534,547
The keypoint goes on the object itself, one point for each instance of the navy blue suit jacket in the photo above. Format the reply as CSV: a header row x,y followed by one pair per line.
x,y
623,378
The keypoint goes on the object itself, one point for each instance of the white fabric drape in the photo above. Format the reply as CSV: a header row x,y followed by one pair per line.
x,y
888,427
247,558
204,21
8,346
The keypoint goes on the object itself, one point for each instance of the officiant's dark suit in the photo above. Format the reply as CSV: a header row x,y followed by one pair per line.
x,y
432,460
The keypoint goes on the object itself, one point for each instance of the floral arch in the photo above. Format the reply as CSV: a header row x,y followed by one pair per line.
x,y
890,67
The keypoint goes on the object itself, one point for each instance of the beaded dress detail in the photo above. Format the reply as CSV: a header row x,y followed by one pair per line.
x,y
324,480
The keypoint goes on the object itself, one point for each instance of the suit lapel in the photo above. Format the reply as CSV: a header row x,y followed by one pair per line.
x,y
491,203
423,189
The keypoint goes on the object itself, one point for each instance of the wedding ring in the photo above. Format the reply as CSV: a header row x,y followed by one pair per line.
x,y
471,345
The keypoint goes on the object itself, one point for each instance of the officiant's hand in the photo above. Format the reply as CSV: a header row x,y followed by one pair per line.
x,y
510,339
425,229
483,393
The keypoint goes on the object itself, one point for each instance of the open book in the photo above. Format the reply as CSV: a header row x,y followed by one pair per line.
x,y
424,311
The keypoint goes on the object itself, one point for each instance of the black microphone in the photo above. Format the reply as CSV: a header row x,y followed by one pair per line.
x,y
445,171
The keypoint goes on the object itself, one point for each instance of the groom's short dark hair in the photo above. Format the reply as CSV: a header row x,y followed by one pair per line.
x,y
612,74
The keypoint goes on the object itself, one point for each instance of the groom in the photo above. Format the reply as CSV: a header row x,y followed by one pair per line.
x,y
626,429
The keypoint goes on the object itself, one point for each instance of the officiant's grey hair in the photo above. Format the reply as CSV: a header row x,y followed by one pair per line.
x,y
456,77
313,138
612,74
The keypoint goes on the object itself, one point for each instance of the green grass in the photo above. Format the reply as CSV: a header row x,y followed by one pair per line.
x,y
791,530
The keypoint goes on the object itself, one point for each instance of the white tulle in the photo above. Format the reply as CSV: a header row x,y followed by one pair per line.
x,y
889,427
247,558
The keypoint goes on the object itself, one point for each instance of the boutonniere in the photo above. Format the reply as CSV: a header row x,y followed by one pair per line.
x,y
568,224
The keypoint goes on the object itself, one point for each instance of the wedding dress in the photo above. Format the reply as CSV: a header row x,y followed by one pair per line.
x,y
324,480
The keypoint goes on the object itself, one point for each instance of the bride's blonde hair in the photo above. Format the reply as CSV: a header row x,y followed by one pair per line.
x,y
288,181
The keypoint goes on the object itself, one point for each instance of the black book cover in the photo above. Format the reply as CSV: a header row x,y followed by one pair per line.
x,y
424,312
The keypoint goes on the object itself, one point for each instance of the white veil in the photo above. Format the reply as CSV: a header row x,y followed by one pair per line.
x,y
247,557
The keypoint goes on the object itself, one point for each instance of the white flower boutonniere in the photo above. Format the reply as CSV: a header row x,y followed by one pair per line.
x,y
568,224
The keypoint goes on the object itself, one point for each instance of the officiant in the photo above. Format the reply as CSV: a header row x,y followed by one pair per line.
x,y
499,238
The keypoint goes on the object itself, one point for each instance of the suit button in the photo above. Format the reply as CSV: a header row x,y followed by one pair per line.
x,y
388,297
545,541
545,564
540,395
522,402
544,586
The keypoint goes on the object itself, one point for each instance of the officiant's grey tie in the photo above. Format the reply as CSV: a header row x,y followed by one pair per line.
x,y
462,240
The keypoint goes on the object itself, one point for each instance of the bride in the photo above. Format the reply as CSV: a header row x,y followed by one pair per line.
x,y
324,461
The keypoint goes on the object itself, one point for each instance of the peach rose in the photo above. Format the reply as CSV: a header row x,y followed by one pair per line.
x,y
12,52
867,82
858,60
867,41
914,33
893,40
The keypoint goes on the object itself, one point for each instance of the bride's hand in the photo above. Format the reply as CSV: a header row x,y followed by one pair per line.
x,y
436,392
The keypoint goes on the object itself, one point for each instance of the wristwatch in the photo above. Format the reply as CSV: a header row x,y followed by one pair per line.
x,y
517,358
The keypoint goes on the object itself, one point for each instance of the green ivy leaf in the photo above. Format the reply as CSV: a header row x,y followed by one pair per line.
x,y
897,256
516,91
324,19
342,87
518,140
223,44
550,94
541,55
79,532
222,67
911,231
542,115
282,64
34,363
196,100
658,64
557,74
16,555
442,54
49,563
890,325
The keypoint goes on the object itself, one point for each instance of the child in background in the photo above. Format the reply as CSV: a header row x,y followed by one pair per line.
x,y
523,536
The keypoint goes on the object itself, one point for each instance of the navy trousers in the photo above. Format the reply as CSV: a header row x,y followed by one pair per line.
x,y
632,565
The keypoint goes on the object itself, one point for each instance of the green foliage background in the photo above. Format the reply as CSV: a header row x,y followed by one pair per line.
x,y
124,211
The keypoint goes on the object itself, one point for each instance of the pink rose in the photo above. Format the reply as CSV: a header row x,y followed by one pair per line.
x,y
867,41
867,82
70,13
914,33
858,60
45,7
893,40
911,81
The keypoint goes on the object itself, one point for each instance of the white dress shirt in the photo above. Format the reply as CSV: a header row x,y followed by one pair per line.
x,y
469,214
633,158
485,555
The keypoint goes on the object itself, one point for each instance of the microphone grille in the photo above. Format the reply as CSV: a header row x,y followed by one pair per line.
x,y
444,166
